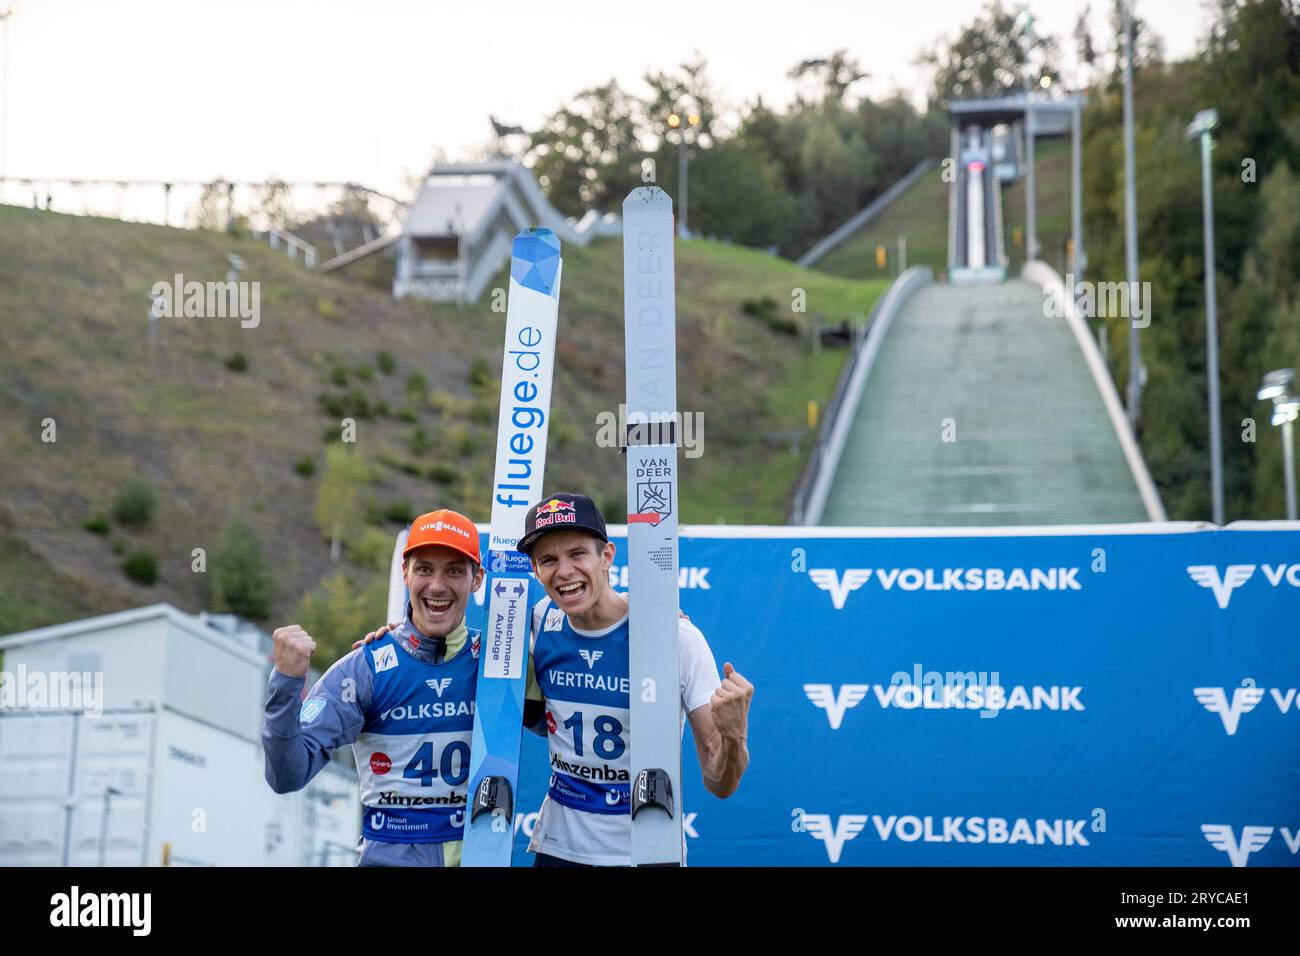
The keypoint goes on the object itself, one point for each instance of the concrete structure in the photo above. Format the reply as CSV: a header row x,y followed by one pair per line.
x,y
133,739
458,232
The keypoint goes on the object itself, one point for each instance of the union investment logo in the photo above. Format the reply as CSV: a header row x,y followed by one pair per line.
x,y
1207,576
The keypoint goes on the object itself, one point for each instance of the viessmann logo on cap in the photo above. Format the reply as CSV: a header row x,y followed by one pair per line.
x,y
441,525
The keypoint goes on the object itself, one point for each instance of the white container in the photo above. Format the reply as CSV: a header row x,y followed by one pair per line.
x,y
166,766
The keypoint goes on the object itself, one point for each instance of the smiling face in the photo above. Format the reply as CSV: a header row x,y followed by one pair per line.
x,y
440,580
573,566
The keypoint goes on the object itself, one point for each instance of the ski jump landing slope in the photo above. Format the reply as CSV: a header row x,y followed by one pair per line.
x,y
979,409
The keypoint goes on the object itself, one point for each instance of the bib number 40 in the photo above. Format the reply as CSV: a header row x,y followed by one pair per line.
x,y
453,767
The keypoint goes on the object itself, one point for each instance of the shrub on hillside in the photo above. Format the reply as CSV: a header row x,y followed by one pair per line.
x,y
240,578
141,567
133,506
97,524
479,372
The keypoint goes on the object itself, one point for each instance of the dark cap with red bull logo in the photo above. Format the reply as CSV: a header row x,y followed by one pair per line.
x,y
561,512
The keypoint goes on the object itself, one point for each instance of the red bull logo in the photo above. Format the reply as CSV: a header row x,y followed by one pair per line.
x,y
554,505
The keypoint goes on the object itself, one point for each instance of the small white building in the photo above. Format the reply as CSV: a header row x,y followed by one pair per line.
x,y
133,739
458,231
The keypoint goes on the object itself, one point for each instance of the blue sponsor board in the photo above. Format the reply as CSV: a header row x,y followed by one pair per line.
x,y
1122,695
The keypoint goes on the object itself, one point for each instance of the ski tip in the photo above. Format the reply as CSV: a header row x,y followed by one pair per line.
x,y
535,260
647,196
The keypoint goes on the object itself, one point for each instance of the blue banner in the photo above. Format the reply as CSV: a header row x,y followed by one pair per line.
x,y
1107,696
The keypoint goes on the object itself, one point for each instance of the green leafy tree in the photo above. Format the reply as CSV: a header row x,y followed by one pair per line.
x,y
833,75
341,611
240,578
585,156
1252,56
988,58
341,500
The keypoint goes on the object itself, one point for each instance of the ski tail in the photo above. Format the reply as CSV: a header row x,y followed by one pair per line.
x,y
397,594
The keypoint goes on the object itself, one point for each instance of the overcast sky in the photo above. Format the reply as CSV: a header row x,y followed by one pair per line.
x,y
366,91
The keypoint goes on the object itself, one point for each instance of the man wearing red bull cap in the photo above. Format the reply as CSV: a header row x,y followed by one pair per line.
x,y
404,702
578,685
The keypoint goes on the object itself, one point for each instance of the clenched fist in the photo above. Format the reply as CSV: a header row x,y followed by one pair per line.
x,y
730,704
292,647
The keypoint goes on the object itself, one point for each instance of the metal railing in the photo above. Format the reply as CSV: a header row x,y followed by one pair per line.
x,y
860,219
812,466
293,245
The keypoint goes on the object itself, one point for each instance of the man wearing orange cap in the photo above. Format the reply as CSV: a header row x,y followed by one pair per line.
x,y
405,703
578,685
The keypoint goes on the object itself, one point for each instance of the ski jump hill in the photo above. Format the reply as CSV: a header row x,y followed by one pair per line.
x,y
980,400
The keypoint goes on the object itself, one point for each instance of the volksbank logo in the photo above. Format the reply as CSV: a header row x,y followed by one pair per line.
x,y
835,832
438,684
1221,836
687,578
828,580
834,702
590,657
1207,576
1235,576
1244,700
451,708
967,691
944,579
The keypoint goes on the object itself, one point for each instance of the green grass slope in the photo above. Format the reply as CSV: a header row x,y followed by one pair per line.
x,y
217,443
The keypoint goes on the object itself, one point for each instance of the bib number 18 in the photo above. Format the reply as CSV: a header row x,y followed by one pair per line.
x,y
609,735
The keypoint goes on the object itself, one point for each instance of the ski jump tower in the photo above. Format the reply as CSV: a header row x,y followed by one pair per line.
x,y
988,141
1006,364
